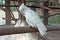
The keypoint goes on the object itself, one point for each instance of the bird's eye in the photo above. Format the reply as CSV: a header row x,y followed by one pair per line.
x,y
23,9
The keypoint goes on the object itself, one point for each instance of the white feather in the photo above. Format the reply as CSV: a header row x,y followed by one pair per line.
x,y
33,19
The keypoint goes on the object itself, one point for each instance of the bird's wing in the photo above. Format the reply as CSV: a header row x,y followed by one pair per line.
x,y
35,20
30,23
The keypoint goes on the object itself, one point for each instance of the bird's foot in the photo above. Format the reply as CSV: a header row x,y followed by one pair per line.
x,y
29,26
43,37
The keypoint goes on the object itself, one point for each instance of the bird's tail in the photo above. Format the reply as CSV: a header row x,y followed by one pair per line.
x,y
42,29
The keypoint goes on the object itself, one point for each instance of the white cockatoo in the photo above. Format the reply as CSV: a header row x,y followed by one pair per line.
x,y
33,19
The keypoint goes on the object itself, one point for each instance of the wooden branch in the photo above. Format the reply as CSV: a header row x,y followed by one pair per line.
x,y
10,19
30,1
20,30
16,30
42,7
53,28
54,7
2,8
10,5
13,0
54,14
50,15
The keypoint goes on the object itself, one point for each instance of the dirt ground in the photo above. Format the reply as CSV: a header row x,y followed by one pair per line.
x,y
54,35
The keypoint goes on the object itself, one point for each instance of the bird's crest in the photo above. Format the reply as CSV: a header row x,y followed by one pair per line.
x,y
23,8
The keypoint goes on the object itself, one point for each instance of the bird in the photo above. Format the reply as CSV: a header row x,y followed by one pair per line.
x,y
33,19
